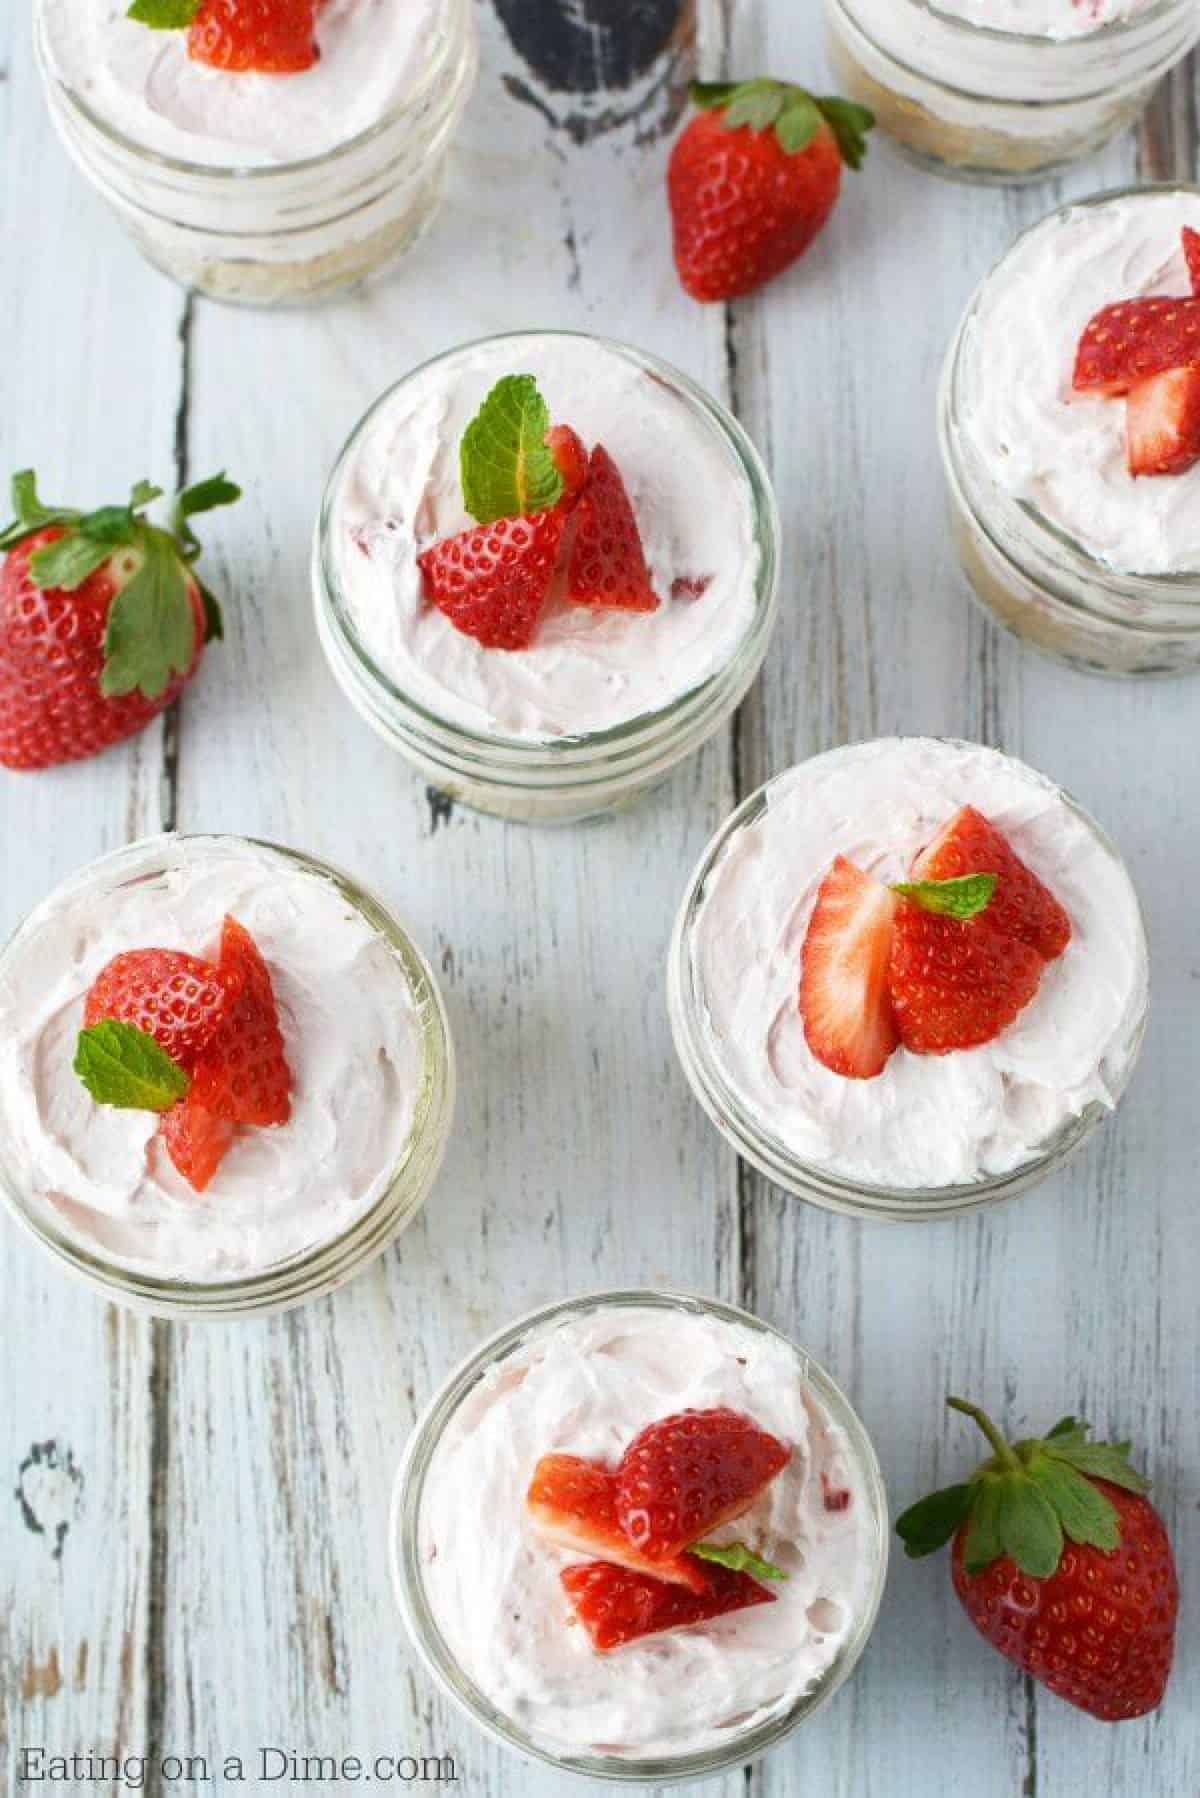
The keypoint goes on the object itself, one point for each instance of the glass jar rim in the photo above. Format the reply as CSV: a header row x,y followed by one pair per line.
x,y
327,1263
408,1586
752,1138
633,733
1037,42
1174,584
248,174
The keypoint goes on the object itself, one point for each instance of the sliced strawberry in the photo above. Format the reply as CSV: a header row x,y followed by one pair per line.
x,y
177,999
1135,339
491,581
1191,252
957,982
1020,905
243,1073
616,1605
1162,423
570,457
844,998
196,1140
687,1474
273,37
608,563
573,1502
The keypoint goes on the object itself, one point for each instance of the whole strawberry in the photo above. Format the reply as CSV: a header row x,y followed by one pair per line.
x,y
1062,1562
753,178
102,621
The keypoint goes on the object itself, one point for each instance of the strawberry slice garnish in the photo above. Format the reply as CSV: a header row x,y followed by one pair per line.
x,y
492,581
177,999
687,1474
1162,423
573,1503
1020,905
608,563
272,37
844,998
243,1073
1135,339
570,457
196,1139
617,1605
957,980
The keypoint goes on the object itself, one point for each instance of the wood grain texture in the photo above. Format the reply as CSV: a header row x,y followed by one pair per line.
x,y
220,1581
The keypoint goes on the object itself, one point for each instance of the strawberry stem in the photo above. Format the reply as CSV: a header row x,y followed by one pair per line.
x,y
1000,1448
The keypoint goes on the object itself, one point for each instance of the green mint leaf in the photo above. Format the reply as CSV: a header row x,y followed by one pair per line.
x,y
1081,1508
506,468
797,124
849,124
1101,1461
123,1066
214,623
164,15
68,561
737,1556
1026,1525
150,636
929,1524
982,1545
962,898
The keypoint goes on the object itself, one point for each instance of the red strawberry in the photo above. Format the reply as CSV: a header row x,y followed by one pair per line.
x,y
243,1073
491,581
271,36
1021,905
102,622
956,981
844,998
1135,339
616,1605
573,1502
1162,422
1191,252
570,457
1062,1563
753,178
177,999
196,1140
687,1474
608,563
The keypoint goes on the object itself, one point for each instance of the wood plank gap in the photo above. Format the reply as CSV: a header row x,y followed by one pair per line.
x,y
155,1656
1168,136
169,775
1029,1787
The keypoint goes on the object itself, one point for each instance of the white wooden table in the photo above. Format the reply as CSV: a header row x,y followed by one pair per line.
x,y
192,1555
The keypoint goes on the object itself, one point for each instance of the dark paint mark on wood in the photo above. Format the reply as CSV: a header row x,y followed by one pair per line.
x,y
441,809
81,1665
590,47
49,1492
41,1679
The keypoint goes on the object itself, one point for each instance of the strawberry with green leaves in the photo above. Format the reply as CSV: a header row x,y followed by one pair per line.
x,y
102,619
1062,1563
268,37
195,1040
753,178
524,480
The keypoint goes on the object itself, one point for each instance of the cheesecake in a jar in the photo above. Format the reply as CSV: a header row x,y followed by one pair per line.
x,y
908,977
262,156
1069,420
226,1078
639,1535
546,570
1005,91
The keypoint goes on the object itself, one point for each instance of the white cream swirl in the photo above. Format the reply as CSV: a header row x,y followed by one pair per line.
x,y
351,1033
927,1120
1056,450
1042,18
589,669
144,84
587,1386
